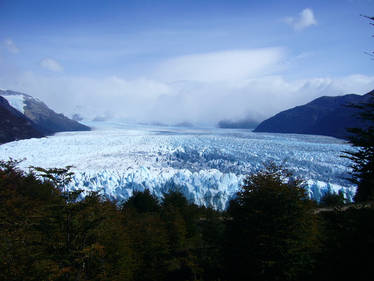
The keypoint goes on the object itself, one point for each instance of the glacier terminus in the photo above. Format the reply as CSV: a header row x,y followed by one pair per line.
x,y
207,164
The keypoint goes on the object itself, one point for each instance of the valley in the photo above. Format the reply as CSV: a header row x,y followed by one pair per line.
x,y
206,164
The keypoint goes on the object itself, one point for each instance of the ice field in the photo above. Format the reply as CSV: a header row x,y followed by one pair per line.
x,y
207,165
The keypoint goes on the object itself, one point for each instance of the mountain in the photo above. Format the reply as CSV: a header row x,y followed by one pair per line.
x,y
14,125
46,120
240,124
329,116
184,124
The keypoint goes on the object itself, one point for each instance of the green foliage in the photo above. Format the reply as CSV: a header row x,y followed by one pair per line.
x,y
142,202
60,177
211,248
165,237
174,199
148,239
347,244
23,201
363,156
330,199
268,233
45,235
181,219
270,228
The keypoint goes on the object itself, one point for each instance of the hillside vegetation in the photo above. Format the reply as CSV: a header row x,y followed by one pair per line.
x,y
271,231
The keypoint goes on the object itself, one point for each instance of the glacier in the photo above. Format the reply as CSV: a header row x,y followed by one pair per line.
x,y
207,164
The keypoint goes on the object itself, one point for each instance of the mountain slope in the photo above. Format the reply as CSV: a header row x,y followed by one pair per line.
x,y
239,124
46,119
329,116
14,125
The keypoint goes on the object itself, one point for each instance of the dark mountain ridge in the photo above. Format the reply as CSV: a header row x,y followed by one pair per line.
x,y
32,116
14,125
48,121
238,124
329,116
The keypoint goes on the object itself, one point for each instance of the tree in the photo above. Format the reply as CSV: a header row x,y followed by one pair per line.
x,y
270,228
372,19
362,139
331,199
147,236
24,201
347,245
46,234
142,202
363,156
181,217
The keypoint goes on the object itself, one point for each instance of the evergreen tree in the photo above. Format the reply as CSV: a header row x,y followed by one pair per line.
x,y
270,229
330,199
363,156
180,217
142,202
347,245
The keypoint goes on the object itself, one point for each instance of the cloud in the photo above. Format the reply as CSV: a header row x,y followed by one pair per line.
x,y
10,46
150,100
220,66
51,65
305,19
182,90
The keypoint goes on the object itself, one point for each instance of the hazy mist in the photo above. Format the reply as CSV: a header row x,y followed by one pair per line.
x,y
201,88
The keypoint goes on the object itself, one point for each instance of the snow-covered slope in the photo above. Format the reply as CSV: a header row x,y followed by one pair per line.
x,y
16,101
46,120
207,165
14,125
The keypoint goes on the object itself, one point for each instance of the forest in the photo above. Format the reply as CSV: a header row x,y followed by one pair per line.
x,y
271,231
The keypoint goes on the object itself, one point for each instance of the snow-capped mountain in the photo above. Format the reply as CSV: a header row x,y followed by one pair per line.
x,y
44,119
14,125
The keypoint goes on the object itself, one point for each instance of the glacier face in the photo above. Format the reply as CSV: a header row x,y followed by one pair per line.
x,y
207,165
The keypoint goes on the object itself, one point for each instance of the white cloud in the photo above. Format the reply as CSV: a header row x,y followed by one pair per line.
x,y
305,19
197,91
51,65
150,100
220,66
11,47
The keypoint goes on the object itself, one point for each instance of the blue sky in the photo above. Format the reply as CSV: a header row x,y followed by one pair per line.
x,y
207,60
